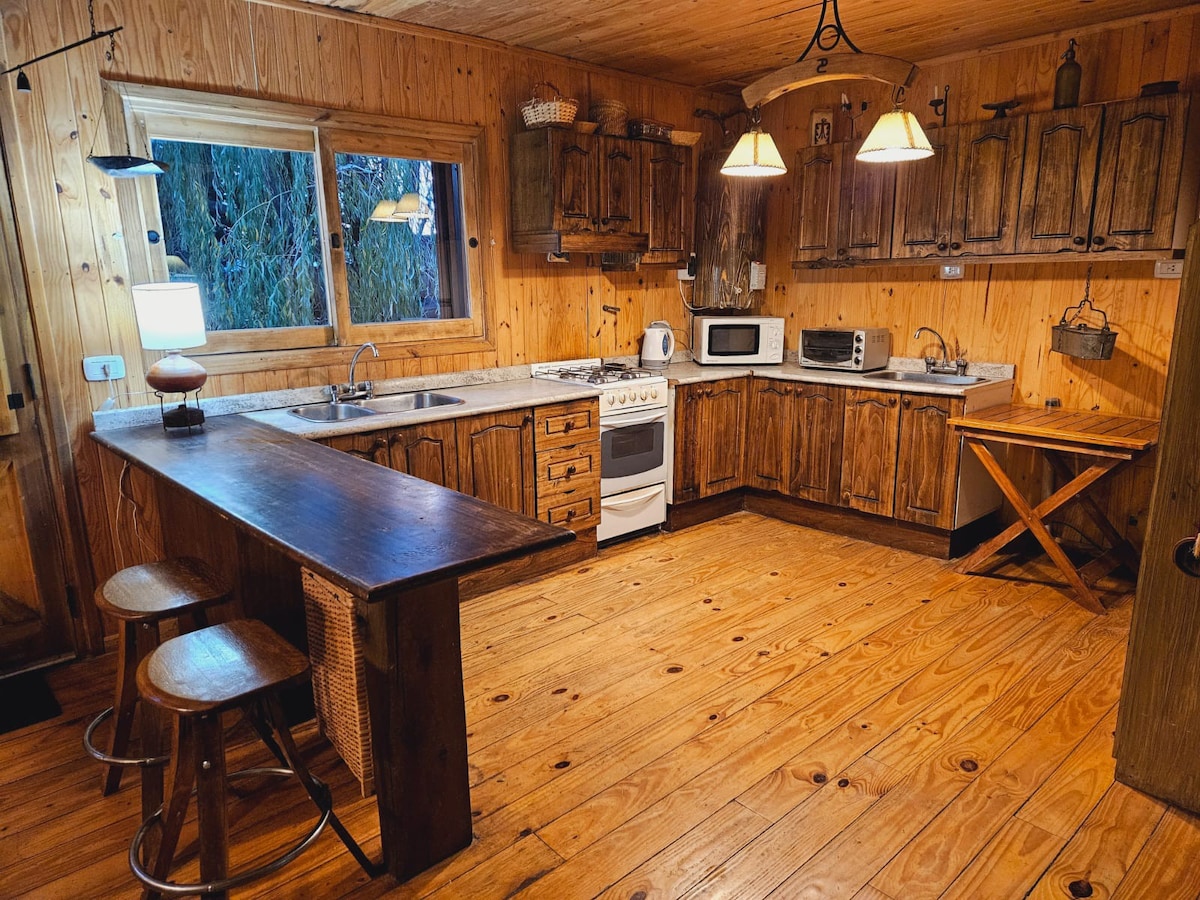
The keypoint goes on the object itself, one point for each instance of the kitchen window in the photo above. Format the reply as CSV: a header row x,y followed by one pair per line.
x,y
304,227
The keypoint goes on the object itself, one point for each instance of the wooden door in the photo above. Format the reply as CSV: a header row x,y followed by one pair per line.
x,y
723,436
1058,184
869,450
1159,714
668,202
816,454
369,445
865,210
620,186
769,434
987,186
428,451
1141,164
574,181
927,460
495,459
688,449
925,199
816,191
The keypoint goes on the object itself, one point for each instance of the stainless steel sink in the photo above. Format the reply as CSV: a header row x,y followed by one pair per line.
x,y
330,412
924,378
407,402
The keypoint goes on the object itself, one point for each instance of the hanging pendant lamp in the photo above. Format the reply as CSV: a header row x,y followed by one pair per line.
x,y
896,137
755,154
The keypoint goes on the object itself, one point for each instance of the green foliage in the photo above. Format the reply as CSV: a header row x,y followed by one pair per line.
x,y
244,222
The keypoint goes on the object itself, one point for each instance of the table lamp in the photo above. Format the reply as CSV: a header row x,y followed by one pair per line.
x,y
170,318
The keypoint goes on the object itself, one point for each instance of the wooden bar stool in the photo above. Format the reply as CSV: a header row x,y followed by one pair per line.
x,y
197,676
141,597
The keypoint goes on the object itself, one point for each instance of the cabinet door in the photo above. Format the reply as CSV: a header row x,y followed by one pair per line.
x,y
927,461
1141,163
868,194
770,450
495,459
816,191
574,180
724,436
668,205
620,183
369,445
1059,179
689,403
869,457
925,199
816,442
427,452
987,187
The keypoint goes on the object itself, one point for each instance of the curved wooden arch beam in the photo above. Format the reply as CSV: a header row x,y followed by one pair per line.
x,y
819,69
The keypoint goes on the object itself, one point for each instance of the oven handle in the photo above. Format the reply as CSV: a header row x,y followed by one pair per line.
x,y
631,499
643,420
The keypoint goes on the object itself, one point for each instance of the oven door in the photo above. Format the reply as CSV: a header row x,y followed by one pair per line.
x,y
631,450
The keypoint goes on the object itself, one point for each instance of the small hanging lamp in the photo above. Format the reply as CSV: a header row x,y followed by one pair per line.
x,y
896,137
755,154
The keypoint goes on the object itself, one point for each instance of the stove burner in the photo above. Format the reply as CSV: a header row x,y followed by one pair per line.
x,y
601,374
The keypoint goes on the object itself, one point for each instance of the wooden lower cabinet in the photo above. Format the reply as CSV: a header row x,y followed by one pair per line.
x,y
428,452
871,431
710,438
495,459
567,443
927,460
369,445
796,442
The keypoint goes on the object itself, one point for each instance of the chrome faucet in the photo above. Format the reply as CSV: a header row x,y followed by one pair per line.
x,y
354,390
945,366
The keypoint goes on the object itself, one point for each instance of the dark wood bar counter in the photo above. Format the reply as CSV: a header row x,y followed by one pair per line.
x,y
259,503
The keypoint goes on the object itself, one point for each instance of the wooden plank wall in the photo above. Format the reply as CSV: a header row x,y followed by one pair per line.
x,y
71,231
1004,312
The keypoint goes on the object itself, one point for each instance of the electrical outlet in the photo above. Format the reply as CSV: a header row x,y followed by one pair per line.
x,y
684,275
1168,268
950,270
103,368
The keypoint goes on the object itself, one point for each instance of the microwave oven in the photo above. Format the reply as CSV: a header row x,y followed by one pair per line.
x,y
852,349
734,340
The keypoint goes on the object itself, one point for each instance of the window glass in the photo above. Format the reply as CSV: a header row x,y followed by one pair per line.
x,y
401,221
244,223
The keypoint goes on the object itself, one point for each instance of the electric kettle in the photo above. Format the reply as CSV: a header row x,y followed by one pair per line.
x,y
658,343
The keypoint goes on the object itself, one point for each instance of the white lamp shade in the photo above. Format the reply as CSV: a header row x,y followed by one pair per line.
x,y
169,315
407,207
896,137
754,155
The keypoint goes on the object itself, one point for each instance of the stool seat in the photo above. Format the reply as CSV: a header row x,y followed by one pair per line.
x,y
155,591
219,667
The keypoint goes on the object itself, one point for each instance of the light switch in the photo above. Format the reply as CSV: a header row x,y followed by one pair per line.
x,y
103,368
950,270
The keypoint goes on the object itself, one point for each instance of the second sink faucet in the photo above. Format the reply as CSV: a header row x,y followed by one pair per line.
x,y
354,390
945,366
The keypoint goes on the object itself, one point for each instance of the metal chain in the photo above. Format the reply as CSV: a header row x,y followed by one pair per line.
x,y
1087,287
92,16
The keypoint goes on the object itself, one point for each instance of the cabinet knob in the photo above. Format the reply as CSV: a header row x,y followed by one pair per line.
x,y
955,245
906,403
1078,241
568,425
841,251
570,514
570,470
942,245
604,221
891,401
1098,240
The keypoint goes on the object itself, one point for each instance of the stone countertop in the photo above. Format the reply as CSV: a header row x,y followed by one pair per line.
x,y
692,373
477,398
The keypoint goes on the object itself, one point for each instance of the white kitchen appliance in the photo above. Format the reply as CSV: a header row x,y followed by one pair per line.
x,y
737,340
633,452
658,343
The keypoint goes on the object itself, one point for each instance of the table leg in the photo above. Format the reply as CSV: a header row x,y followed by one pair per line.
x,y
412,651
1033,522
1116,540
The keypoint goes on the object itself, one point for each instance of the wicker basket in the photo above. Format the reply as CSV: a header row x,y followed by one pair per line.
x,y
685,138
649,130
540,112
338,682
613,116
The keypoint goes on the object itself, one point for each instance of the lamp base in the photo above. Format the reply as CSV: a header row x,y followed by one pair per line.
x,y
183,415
175,374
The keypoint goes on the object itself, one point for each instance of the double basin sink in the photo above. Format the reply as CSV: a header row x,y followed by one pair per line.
x,y
354,409
924,378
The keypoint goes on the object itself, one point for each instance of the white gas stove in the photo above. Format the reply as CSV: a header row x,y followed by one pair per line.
x,y
633,420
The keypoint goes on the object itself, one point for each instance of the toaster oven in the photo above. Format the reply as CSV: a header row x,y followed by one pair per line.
x,y
851,349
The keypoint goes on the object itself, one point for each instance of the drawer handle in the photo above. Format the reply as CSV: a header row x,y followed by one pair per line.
x,y
570,470
568,425
571,514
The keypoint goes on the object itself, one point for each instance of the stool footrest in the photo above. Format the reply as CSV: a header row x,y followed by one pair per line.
x,y
96,753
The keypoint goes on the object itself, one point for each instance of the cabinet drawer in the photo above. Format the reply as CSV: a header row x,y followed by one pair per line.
x,y
575,510
566,423
567,467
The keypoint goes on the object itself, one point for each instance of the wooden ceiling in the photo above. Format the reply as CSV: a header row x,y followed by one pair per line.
x,y
725,44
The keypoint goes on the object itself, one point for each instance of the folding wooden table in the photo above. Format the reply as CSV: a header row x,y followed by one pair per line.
x,y
1109,444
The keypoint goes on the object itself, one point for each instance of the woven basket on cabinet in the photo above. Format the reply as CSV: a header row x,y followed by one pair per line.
x,y
612,115
539,112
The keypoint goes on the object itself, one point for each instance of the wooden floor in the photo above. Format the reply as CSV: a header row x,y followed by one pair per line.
x,y
743,709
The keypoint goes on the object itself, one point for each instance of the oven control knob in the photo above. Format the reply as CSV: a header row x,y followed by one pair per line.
x,y
612,399
645,396
858,339
624,396
654,393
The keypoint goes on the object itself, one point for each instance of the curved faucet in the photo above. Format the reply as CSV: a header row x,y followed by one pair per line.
x,y
375,351
957,367
353,390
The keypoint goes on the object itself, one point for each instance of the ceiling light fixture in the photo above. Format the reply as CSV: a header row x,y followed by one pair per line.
x,y
755,154
896,137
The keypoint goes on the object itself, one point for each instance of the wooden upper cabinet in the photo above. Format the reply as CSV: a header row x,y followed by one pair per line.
x,y
1142,200
927,460
428,451
870,434
1058,184
816,442
816,195
925,199
620,186
865,210
670,187
495,459
987,187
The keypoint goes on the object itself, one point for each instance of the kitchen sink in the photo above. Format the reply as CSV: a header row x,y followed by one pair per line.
x,y
330,412
407,402
924,378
